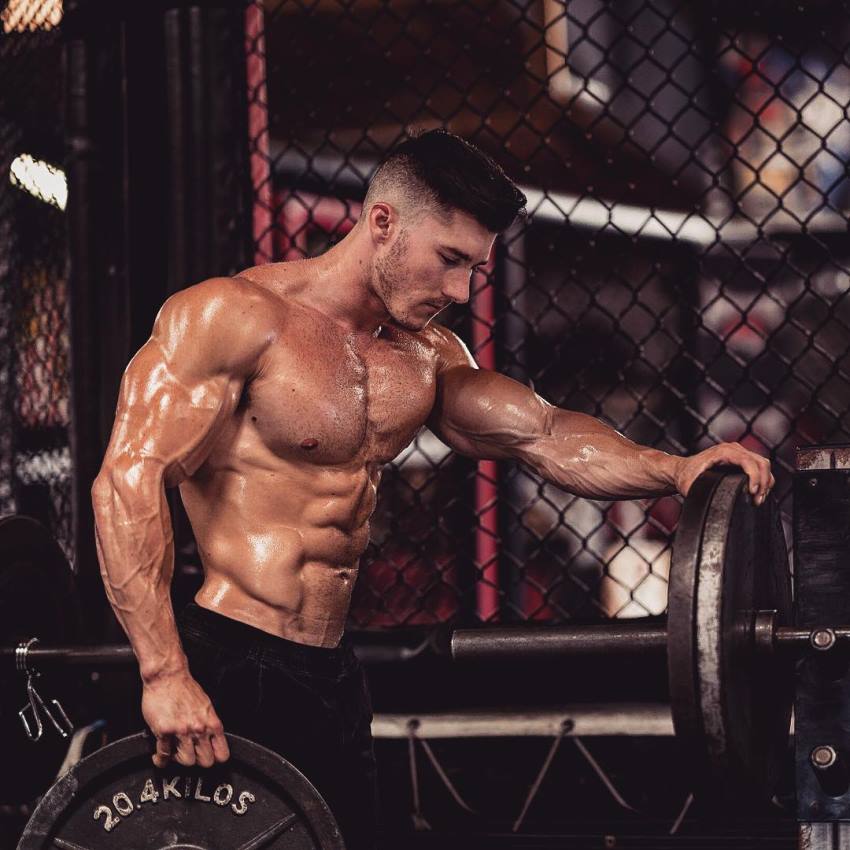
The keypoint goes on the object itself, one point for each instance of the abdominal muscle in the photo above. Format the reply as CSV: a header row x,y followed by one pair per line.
x,y
281,546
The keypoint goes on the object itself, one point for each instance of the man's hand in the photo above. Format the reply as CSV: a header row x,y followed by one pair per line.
x,y
185,724
755,466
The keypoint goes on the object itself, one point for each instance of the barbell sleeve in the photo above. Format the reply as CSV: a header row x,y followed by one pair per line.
x,y
617,638
53,657
620,638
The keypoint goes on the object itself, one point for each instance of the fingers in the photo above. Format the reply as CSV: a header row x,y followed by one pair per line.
x,y
196,749
749,465
203,751
185,751
756,467
210,744
758,470
219,746
164,750
186,727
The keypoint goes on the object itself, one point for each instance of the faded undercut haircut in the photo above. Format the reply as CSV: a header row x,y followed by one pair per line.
x,y
440,172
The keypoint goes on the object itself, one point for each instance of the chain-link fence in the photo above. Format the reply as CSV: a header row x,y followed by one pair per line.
x,y
35,461
682,274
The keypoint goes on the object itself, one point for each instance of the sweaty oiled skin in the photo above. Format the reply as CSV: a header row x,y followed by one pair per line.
x,y
281,508
276,423
293,418
273,399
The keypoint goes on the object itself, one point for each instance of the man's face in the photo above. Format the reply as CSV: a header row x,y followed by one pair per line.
x,y
429,265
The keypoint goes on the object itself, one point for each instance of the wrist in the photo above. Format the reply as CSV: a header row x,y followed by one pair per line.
x,y
675,464
668,469
177,667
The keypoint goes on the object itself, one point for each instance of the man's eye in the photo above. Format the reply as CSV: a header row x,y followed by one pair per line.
x,y
448,260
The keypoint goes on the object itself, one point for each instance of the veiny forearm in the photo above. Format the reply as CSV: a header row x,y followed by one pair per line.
x,y
135,547
584,456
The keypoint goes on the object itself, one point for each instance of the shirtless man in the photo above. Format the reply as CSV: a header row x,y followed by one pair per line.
x,y
273,399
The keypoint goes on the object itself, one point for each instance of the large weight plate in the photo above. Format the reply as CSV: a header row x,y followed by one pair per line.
x,y
37,592
731,705
116,798
37,599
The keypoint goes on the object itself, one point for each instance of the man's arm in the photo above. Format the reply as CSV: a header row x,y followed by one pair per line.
x,y
176,394
484,414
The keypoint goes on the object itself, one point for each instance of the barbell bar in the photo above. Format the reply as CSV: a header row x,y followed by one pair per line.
x,y
496,644
729,638
623,639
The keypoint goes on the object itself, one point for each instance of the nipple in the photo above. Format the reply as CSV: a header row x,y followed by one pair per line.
x,y
309,443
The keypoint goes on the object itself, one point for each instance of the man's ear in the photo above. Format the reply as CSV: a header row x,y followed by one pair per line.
x,y
383,219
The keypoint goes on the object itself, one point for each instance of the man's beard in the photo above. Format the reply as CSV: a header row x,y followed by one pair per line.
x,y
391,274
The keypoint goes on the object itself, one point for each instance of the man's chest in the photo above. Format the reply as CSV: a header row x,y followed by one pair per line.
x,y
329,399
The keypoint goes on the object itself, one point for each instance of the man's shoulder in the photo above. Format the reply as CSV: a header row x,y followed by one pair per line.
x,y
224,291
448,347
278,280
438,336
221,318
218,300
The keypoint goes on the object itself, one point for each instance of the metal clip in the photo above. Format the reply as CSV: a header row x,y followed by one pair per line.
x,y
35,704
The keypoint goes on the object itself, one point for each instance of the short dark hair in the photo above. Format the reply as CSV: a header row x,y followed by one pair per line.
x,y
438,168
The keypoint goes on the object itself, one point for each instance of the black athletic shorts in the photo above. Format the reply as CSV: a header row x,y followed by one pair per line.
x,y
307,703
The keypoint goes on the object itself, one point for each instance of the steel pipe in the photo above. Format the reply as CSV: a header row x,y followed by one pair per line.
x,y
620,637
607,719
52,657
121,655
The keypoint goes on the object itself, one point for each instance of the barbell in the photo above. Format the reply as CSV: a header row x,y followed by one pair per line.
x,y
729,638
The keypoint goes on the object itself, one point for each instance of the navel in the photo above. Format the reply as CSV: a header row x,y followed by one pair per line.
x,y
310,443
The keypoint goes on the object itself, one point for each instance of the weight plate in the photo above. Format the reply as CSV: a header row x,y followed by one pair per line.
x,y
731,702
37,592
117,798
37,599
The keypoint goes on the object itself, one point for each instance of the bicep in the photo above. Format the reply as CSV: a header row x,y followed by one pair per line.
x,y
483,414
168,416
186,380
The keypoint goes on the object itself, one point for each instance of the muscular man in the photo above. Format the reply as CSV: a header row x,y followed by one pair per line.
x,y
273,399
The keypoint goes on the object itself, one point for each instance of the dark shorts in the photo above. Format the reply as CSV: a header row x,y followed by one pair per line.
x,y
309,704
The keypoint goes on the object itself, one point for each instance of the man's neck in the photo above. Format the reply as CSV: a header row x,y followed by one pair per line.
x,y
341,286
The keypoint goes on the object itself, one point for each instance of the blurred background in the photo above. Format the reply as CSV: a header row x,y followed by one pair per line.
x,y
682,274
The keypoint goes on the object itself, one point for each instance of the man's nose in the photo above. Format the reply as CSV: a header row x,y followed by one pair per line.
x,y
457,290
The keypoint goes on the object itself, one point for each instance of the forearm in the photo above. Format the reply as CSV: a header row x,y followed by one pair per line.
x,y
582,455
135,547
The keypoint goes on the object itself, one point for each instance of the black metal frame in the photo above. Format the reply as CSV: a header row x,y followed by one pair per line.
x,y
822,584
159,199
